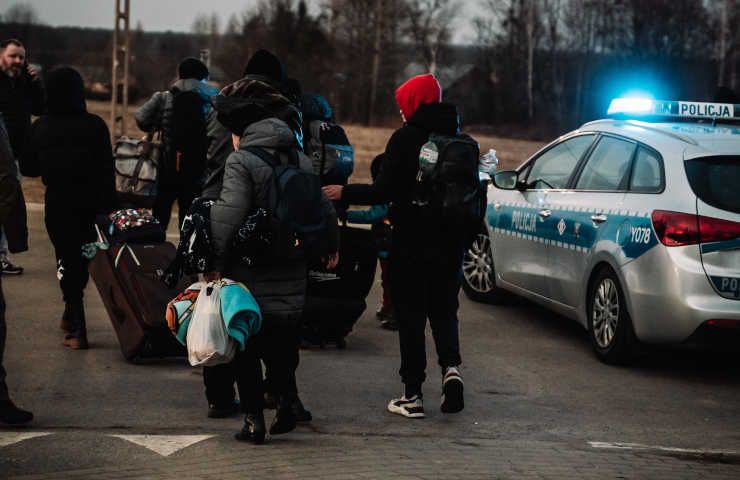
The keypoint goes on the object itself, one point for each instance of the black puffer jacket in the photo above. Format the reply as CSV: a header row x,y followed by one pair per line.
x,y
395,181
70,149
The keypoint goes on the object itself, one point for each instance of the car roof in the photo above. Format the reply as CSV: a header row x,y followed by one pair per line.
x,y
694,138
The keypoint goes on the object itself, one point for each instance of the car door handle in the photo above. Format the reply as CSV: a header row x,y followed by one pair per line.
x,y
544,213
599,218
497,205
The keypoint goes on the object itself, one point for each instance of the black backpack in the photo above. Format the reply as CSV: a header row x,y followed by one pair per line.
x,y
187,140
294,225
450,191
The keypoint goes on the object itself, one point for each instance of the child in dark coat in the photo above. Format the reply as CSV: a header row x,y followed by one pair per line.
x,y
70,149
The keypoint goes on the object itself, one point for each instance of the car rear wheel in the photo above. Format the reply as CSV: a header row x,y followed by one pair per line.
x,y
609,324
479,275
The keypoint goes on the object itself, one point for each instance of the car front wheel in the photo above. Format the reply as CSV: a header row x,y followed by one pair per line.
x,y
479,275
609,324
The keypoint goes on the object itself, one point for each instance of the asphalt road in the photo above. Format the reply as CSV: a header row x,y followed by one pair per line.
x,y
538,404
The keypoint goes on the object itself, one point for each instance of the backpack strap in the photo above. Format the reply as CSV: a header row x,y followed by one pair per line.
x,y
264,155
323,153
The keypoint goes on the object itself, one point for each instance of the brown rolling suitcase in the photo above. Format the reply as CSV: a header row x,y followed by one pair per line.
x,y
127,277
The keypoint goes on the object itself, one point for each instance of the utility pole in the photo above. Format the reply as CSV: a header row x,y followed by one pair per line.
x,y
119,73
376,60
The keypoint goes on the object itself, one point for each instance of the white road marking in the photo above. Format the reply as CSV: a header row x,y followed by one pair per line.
x,y
640,446
9,438
164,445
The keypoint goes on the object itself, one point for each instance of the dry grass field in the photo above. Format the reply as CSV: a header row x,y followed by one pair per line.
x,y
367,141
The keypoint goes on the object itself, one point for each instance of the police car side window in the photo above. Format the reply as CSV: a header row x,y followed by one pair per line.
x,y
554,168
607,166
647,173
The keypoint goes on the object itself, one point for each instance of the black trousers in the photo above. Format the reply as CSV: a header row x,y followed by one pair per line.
x,y
277,345
184,193
3,333
68,231
426,286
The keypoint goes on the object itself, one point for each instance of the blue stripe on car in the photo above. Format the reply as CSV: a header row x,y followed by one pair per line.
x,y
719,246
632,232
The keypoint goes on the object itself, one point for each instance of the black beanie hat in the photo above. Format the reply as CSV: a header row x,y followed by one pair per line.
x,y
192,68
265,64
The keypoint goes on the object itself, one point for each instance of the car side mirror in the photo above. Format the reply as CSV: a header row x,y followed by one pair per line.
x,y
506,180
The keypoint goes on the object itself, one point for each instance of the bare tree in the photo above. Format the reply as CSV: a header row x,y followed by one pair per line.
x,y
429,26
22,14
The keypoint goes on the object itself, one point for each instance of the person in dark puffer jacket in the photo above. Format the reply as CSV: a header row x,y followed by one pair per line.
x,y
260,116
71,151
425,260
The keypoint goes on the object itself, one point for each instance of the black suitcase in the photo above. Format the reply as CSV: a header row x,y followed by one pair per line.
x,y
127,278
335,299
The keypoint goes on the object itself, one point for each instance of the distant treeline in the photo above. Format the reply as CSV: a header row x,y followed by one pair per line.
x,y
545,64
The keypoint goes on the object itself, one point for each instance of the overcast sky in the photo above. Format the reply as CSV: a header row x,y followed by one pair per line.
x,y
154,15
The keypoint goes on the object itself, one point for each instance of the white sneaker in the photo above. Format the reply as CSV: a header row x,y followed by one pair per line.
x,y
408,407
452,391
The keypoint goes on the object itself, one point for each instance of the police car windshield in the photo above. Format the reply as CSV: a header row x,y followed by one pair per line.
x,y
715,180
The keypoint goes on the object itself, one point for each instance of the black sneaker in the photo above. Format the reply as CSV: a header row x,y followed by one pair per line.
x,y
452,391
253,429
408,407
300,412
226,411
7,268
12,415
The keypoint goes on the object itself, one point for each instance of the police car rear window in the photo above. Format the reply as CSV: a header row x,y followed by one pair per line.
x,y
716,180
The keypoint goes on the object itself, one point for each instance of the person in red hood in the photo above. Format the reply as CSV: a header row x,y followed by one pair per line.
x,y
425,259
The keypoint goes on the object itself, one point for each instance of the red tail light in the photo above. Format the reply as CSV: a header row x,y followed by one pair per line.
x,y
675,229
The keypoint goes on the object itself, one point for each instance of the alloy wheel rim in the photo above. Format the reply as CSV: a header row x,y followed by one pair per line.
x,y
478,265
605,312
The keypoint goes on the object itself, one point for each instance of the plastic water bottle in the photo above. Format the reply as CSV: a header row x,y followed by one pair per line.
x,y
427,160
488,162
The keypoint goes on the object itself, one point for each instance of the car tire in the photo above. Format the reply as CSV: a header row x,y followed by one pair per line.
x,y
609,323
479,275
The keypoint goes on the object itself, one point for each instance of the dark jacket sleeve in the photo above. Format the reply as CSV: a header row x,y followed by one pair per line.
x,y
383,189
149,116
104,155
234,203
9,185
38,97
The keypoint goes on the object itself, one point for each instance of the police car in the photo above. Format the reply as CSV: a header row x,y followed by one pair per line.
x,y
629,225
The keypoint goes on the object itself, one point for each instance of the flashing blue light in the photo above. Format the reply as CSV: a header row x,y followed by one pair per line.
x,y
647,107
639,106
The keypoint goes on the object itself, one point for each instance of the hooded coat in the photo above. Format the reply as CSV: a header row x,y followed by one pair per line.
x,y
70,149
395,181
248,183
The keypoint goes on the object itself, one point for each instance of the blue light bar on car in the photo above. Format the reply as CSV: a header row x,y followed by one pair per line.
x,y
646,107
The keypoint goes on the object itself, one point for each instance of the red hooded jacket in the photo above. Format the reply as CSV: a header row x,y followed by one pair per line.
x,y
417,91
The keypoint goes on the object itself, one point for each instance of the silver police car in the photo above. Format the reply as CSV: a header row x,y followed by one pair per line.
x,y
629,225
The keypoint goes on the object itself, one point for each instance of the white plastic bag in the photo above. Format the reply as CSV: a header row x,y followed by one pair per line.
x,y
207,340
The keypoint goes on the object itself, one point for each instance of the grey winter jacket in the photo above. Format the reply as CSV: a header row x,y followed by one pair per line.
x,y
247,184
